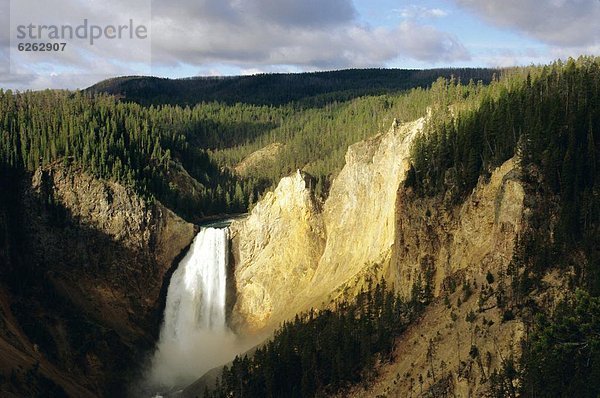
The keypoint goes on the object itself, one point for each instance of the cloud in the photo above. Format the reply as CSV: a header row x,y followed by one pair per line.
x,y
80,62
347,46
419,12
308,13
561,23
242,34
311,34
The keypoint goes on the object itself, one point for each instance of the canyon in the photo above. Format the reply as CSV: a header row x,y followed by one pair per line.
x,y
294,251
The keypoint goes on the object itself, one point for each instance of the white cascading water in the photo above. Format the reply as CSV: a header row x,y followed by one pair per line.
x,y
196,295
194,337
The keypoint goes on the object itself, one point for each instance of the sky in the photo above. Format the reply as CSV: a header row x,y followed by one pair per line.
x,y
183,38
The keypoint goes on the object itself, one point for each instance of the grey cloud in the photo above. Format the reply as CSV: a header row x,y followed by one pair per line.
x,y
304,13
556,22
426,43
23,82
273,39
247,34
279,12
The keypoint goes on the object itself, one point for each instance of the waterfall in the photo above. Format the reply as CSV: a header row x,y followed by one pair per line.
x,y
196,295
194,337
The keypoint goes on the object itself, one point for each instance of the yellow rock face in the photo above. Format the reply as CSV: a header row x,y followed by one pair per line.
x,y
276,251
359,214
291,255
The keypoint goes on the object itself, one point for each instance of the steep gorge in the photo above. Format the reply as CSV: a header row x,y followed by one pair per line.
x,y
295,251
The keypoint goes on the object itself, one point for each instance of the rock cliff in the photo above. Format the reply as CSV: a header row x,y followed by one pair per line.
x,y
435,241
360,212
315,252
369,226
88,264
276,249
461,254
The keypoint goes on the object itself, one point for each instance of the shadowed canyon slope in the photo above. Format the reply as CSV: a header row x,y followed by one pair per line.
x,y
87,259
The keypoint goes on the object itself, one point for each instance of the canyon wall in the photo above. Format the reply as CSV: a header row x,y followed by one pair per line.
x,y
87,260
276,252
293,252
297,252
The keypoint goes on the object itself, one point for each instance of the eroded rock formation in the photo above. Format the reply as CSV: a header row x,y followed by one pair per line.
x,y
290,255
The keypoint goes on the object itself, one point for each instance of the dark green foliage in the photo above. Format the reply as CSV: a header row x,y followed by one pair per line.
x,y
471,316
548,117
474,352
140,147
504,383
508,315
562,355
489,277
320,353
152,148
314,89
467,291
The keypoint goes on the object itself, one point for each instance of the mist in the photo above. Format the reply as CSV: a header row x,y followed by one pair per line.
x,y
177,364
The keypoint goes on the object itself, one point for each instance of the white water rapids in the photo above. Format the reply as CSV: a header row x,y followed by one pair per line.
x,y
194,337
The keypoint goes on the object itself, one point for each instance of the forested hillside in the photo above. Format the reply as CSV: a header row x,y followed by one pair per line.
x,y
306,89
185,156
547,117
322,353
550,119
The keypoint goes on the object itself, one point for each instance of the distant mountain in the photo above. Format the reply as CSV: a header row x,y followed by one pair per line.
x,y
280,88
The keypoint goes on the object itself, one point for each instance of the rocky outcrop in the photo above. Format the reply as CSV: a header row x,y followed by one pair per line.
x,y
461,255
101,252
276,249
452,350
454,255
287,238
359,214
435,241
262,158
116,211
290,256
